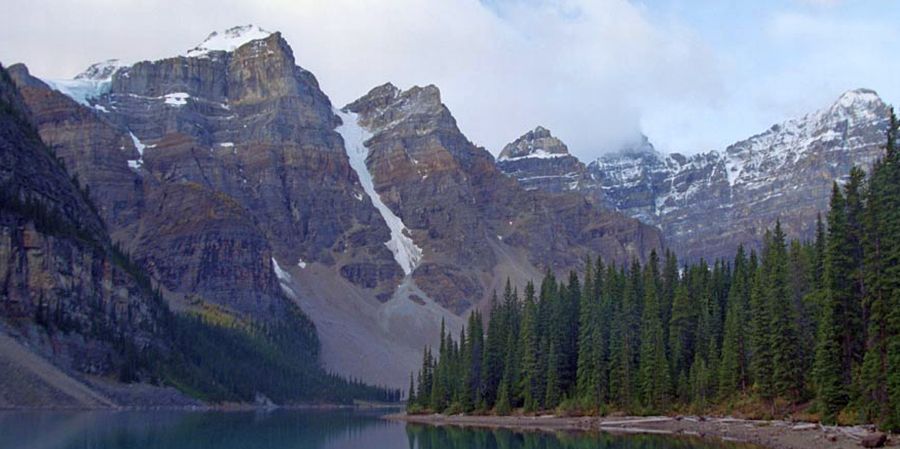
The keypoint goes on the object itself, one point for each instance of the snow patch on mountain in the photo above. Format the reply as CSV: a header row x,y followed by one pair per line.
x,y
176,99
136,164
536,154
285,281
93,82
405,251
102,70
228,40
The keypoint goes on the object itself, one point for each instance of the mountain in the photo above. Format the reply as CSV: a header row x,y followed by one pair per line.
x,y
60,271
540,161
708,203
235,183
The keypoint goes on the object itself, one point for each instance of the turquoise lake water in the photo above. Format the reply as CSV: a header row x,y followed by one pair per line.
x,y
284,429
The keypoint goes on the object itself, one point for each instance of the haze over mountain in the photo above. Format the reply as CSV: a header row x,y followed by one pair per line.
x,y
597,73
707,204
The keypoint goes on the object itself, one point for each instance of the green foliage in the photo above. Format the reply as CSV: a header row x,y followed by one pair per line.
x,y
764,334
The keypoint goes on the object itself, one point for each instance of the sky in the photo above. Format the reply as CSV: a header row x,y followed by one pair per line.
x,y
692,75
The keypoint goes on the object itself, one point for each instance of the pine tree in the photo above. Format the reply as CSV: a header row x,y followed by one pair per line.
x,y
831,392
733,366
682,331
880,377
439,384
529,344
587,341
654,367
493,353
671,279
570,297
787,374
830,362
554,393
760,326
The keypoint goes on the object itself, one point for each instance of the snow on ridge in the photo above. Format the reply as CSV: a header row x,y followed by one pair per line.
x,y
176,99
102,70
535,154
228,40
405,251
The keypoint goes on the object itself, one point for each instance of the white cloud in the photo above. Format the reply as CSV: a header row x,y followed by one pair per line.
x,y
589,70
585,69
821,3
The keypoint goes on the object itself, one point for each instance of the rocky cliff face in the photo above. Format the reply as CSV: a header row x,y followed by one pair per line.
x,y
708,203
58,268
464,213
233,180
540,161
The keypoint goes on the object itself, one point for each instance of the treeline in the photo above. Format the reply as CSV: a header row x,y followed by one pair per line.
x,y
797,323
219,363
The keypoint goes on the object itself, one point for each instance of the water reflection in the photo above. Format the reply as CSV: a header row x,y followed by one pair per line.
x,y
282,429
430,437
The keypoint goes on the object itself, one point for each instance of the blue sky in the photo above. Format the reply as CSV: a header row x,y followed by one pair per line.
x,y
780,59
693,75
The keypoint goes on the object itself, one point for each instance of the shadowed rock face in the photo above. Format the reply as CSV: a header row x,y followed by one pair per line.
x,y
225,175
57,265
461,208
708,203
240,161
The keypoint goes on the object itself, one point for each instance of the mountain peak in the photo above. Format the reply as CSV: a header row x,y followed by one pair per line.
x,y
102,70
387,105
228,40
537,143
858,100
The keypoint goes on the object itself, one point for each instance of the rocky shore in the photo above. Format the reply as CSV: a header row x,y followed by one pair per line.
x,y
769,434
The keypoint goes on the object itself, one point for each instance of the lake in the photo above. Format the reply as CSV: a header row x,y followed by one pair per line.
x,y
285,429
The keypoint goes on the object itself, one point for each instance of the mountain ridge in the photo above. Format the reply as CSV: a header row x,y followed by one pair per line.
x,y
231,178
708,203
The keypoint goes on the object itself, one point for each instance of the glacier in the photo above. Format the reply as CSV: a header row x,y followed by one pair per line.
x,y
406,252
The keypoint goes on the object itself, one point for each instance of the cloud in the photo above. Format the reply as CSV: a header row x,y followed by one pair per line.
x,y
821,3
586,69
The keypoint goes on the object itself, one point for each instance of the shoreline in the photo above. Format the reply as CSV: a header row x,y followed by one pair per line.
x,y
767,434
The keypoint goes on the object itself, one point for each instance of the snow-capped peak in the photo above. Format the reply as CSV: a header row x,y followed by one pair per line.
x,y
537,143
89,84
857,104
858,97
102,70
228,40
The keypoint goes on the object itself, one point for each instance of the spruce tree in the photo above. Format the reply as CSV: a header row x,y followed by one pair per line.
x,y
880,378
587,340
654,367
760,326
529,345
553,394
787,373
831,360
733,365
493,353
681,332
